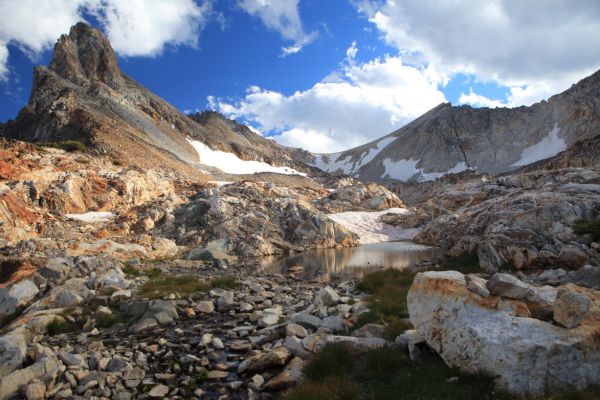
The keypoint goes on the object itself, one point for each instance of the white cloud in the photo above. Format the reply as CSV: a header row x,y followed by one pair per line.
x,y
478,100
135,27
144,28
281,16
365,102
533,48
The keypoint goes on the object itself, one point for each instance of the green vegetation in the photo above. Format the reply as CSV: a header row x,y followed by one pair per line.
x,y
387,291
59,326
341,372
583,227
159,286
467,263
106,320
71,146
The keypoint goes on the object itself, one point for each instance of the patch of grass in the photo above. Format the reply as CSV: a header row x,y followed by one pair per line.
x,y
386,374
70,146
58,327
329,389
227,282
334,360
106,321
133,272
387,291
467,263
159,286
583,227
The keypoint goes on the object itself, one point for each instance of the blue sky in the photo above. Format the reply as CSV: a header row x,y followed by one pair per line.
x,y
362,69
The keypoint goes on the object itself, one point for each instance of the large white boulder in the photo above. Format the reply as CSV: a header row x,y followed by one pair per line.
x,y
494,336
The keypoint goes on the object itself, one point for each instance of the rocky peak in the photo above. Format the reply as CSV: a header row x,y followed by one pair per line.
x,y
85,55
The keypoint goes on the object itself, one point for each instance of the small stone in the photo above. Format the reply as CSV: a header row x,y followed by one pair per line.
x,y
217,374
205,307
116,364
218,343
293,329
256,382
158,391
327,296
570,308
477,285
35,391
120,295
506,285
189,312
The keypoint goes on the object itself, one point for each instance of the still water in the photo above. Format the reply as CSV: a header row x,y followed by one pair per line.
x,y
352,262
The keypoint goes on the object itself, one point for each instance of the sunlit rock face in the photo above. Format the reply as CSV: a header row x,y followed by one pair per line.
x,y
499,336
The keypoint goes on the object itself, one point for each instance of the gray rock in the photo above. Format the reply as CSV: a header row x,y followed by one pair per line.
x,y
35,391
306,320
506,285
205,307
13,348
17,295
477,285
225,301
158,392
570,307
117,364
293,329
334,323
327,296
586,276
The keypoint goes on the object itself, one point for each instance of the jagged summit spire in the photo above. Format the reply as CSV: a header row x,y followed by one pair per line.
x,y
85,55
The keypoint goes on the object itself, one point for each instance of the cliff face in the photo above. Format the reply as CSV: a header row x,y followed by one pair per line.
x,y
83,95
452,139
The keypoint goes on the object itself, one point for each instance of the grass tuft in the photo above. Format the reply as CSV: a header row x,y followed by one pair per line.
x,y
159,286
106,321
583,227
328,389
58,327
334,360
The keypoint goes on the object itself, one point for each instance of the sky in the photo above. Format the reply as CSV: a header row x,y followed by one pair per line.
x,y
324,75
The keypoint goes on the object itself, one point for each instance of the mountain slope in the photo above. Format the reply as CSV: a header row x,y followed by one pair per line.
x,y
83,95
450,139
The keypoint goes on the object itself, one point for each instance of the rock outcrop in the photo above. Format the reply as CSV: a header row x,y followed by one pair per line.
x,y
84,96
499,336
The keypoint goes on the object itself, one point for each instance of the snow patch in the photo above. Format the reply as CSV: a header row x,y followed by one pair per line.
x,y
333,163
548,147
404,170
232,164
369,228
91,217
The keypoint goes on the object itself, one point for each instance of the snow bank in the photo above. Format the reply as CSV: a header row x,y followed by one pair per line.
x,y
548,147
370,229
91,217
232,164
404,170
332,163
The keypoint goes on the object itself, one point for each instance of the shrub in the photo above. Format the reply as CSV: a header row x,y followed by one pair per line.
x,y
583,227
58,327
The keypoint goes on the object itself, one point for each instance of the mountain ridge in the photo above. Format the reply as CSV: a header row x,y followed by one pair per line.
x,y
449,138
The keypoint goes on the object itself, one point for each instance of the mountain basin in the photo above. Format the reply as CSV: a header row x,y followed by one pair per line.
x,y
351,262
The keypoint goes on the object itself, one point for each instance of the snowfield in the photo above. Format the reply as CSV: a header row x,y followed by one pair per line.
x,y
91,217
548,147
232,164
332,163
403,170
370,229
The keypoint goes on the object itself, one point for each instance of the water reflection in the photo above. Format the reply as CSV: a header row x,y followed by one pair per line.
x,y
353,262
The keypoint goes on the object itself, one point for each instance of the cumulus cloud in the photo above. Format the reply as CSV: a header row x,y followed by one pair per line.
x,y
135,27
478,100
533,48
282,16
362,103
